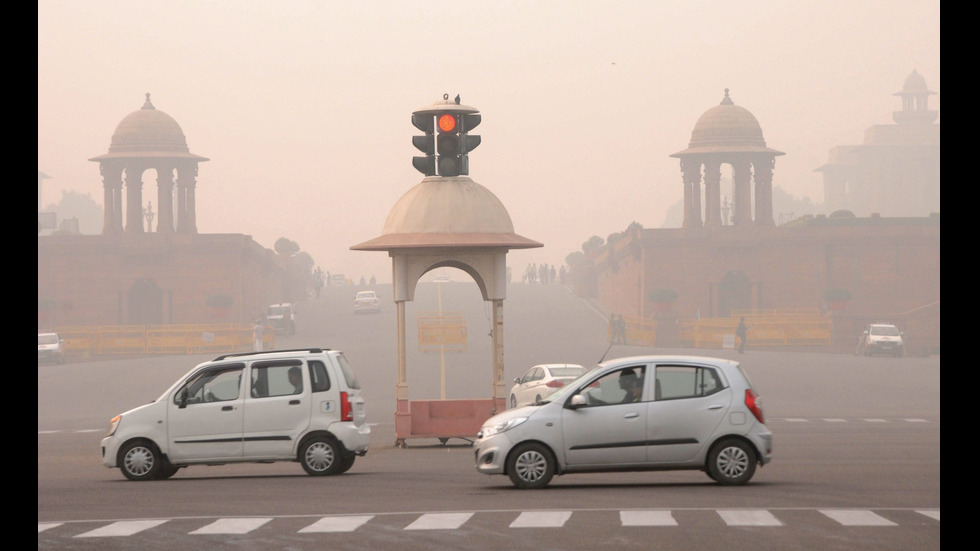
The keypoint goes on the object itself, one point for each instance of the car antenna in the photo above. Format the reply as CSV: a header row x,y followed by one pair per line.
x,y
604,354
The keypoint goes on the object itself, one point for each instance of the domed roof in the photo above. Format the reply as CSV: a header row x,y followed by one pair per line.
x,y
448,212
727,128
148,133
915,84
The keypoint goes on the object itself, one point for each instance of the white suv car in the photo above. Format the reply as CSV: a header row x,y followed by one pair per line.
x,y
281,405
644,413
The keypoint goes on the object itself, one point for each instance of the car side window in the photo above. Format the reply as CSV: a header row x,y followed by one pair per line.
x,y
220,384
319,378
622,386
276,378
675,382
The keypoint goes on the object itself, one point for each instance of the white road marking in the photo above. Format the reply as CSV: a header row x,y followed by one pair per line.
x,y
439,521
121,528
338,524
541,519
647,518
857,517
232,526
749,517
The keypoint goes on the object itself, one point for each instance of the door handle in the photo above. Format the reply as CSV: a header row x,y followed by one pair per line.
x,y
715,406
631,415
226,408
294,402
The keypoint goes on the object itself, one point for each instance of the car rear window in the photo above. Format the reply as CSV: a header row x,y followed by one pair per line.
x,y
348,372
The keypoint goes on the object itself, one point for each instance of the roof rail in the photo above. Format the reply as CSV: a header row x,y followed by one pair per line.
x,y
260,352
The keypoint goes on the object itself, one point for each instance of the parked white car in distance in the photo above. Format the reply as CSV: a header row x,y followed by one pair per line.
x,y
540,382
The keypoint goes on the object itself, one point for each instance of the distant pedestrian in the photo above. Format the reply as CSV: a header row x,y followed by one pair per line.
x,y
741,331
257,332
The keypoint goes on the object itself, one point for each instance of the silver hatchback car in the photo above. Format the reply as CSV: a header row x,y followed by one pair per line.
x,y
634,414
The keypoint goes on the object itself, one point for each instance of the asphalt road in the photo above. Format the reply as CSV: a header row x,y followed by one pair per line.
x,y
856,463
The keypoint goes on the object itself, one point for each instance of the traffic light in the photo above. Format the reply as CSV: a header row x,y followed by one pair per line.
x,y
453,142
426,144
445,142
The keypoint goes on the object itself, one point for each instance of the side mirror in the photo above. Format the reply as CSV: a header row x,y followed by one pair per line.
x,y
182,400
576,402
517,380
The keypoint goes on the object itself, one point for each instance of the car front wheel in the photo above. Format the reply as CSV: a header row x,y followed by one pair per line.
x,y
321,456
530,466
732,462
139,461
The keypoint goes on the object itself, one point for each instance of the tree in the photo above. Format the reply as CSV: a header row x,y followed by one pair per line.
x,y
286,247
81,206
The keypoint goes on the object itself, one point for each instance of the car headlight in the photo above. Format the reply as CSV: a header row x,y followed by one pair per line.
x,y
495,428
113,424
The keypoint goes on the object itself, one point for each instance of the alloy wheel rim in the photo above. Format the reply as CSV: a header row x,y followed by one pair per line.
x,y
319,456
733,462
139,461
530,466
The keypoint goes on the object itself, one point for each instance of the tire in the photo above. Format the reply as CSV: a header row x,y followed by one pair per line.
x,y
321,456
731,462
530,466
346,463
537,398
139,460
513,401
166,471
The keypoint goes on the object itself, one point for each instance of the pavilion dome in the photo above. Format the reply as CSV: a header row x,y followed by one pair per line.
x,y
148,132
727,128
441,212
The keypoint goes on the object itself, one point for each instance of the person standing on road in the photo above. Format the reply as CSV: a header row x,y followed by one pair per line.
x,y
741,332
257,330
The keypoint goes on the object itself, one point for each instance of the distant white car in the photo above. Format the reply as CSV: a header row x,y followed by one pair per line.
x,y
442,279
366,301
50,348
541,381
282,318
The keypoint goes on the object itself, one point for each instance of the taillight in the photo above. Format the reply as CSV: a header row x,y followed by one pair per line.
x,y
555,384
346,412
754,403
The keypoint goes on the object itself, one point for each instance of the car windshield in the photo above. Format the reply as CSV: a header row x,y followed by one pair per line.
x,y
365,294
278,310
885,330
47,338
567,371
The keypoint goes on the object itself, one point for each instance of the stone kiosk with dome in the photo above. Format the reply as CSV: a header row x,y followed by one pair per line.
x,y
447,220
136,274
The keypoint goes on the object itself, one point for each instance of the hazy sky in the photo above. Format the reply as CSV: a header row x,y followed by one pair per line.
x,y
303,106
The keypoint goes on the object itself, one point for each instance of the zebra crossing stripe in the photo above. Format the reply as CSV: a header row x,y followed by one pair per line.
x,y
857,517
749,517
121,528
541,519
439,521
931,513
647,518
338,524
232,526
42,526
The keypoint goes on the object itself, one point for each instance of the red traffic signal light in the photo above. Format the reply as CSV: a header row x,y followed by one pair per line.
x,y
445,143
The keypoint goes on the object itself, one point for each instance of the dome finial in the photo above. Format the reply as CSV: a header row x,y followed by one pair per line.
x,y
148,105
727,100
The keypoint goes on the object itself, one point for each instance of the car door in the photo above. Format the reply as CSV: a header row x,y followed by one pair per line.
x,y
277,409
525,390
690,402
204,415
608,431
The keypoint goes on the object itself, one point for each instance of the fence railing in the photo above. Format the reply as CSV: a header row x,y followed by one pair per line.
x,y
122,340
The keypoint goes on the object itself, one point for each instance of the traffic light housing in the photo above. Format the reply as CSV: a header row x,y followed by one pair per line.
x,y
446,142
426,144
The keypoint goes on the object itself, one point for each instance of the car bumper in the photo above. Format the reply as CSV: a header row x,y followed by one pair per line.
x,y
355,439
110,449
762,439
490,453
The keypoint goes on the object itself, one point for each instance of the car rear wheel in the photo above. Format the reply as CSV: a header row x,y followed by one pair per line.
x,y
732,462
346,463
139,461
321,456
530,466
